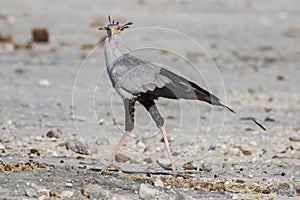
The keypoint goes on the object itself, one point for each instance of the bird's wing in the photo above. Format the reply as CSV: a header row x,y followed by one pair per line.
x,y
143,78
136,76
139,77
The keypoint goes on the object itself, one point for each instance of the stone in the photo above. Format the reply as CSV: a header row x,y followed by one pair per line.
x,y
206,167
2,147
77,146
40,35
30,192
164,163
67,194
44,83
122,158
54,133
294,138
93,191
69,185
284,189
189,166
147,192
234,152
158,183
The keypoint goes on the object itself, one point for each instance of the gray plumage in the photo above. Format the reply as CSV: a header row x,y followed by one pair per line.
x,y
133,77
140,80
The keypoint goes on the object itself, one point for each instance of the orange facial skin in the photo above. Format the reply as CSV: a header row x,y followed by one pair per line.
x,y
116,30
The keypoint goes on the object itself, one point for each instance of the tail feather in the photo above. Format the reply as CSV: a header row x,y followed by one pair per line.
x,y
204,95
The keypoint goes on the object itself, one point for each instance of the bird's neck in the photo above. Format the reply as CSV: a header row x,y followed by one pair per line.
x,y
114,49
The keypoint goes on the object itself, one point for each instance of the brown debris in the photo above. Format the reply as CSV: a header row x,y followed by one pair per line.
x,y
54,194
28,45
65,45
239,181
226,164
87,46
114,166
40,35
21,166
164,51
280,78
6,38
35,151
245,152
189,166
61,144
298,191
3,17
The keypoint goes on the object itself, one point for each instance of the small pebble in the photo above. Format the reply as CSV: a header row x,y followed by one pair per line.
x,y
189,166
44,83
164,163
234,152
40,35
77,146
2,147
141,145
67,194
206,167
30,192
69,184
122,158
147,192
294,138
158,183
54,133
101,121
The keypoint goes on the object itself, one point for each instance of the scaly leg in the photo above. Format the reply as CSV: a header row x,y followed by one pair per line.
x,y
164,132
121,142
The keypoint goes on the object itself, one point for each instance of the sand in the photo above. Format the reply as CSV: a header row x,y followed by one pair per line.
x,y
60,117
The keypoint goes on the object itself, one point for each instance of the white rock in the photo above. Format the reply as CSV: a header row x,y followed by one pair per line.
x,y
30,191
158,183
234,152
69,184
2,147
44,83
163,162
101,121
39,138
141,145
147,191
9,122
11,20
67,194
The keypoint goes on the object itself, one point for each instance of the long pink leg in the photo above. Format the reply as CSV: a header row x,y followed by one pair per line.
x,y
121,142
164,132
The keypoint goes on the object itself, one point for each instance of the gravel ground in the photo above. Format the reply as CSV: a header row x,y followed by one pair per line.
x,y
60,118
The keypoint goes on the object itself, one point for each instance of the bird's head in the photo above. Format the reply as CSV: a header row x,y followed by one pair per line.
x,y
114,28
